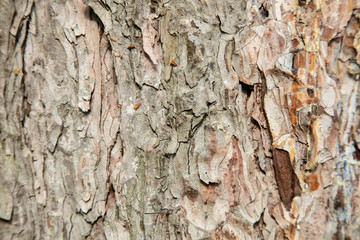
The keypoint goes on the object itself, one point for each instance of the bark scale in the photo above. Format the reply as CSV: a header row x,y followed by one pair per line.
x,y
179,119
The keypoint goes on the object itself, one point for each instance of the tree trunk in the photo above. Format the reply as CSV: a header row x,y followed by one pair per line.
x,y
179,119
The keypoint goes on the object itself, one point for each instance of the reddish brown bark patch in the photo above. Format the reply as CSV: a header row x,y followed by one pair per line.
x,y
287,181
312,182
339,200
191,193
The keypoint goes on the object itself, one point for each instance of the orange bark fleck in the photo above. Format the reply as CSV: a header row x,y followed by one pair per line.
x,y
48,220
137,106
172,63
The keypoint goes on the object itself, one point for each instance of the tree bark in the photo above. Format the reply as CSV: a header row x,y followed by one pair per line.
x,y
179,119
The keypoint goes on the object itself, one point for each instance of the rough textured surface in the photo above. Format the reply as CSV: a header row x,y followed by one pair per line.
x,y
179,119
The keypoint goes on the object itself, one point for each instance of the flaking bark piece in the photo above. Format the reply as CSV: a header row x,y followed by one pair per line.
x,y
287,181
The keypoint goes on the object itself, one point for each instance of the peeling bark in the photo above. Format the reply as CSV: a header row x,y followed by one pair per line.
x,y
179,119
